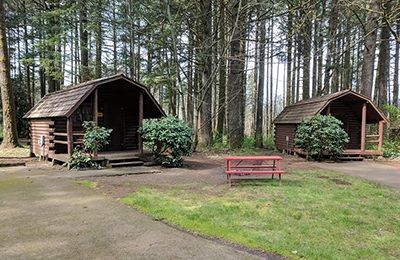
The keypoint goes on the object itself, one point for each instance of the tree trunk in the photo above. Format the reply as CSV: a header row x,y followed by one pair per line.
x,y
260,89
84,69
99,38
222,71
289,56
396,70
382,77
189,103
367,70
315,54
331,46
235,95
307,35
347,54
10,136
320,50
206,77
114,37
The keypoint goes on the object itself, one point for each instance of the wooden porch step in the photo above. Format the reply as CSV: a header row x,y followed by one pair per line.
x,y
351,158
126,164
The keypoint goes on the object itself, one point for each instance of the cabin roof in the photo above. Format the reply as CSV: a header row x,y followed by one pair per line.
x,y
63,103
296,113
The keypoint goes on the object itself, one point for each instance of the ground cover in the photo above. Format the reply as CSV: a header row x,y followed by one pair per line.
x,y
22,151
314,214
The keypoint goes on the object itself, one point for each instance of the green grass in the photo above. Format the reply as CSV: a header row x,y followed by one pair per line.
x,y
89,184
307,216
15,152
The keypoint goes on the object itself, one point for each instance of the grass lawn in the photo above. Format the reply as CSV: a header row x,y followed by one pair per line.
x,y
15,152
312,215
86,183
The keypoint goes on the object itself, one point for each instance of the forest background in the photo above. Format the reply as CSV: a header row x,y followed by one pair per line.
x,y
226,67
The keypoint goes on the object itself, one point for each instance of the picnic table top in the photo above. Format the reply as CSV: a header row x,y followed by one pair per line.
x,y
252,158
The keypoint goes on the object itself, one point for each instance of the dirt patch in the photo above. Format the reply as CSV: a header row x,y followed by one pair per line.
x,y
340,182
323,177
201,174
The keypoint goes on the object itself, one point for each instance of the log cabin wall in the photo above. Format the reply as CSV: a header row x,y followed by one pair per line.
x,y
60,126
281,132
351,122
38,128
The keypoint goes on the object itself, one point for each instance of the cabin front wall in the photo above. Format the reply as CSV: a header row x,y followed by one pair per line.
x,y
284,136
41,135
351,122
118,109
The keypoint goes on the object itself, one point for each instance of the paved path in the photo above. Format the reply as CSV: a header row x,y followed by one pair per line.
x,y
369,170
44,215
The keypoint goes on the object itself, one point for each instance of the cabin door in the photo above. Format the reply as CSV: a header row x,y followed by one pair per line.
x,y
113,119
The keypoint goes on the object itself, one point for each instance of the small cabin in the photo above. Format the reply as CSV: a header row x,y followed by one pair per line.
x,y
115,102
357,112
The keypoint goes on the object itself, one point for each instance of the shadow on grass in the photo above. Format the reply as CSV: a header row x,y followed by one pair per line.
x,y
247,182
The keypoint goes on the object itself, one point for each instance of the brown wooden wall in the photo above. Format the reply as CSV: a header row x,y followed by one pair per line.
x,y
60,126
351,122
281,131
41,127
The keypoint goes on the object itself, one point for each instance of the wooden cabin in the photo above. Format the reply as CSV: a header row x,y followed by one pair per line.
x,y
115,102
353,109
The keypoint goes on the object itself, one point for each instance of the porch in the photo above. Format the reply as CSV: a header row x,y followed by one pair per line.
x,y
347,153
108,158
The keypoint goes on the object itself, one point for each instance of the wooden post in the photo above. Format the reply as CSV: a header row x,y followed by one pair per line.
x,y
363,126
380,135
95,105
70,140
95,109
140,122
328,110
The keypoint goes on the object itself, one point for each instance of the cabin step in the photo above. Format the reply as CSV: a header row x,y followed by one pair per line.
x,y
126,164
349,158
123,159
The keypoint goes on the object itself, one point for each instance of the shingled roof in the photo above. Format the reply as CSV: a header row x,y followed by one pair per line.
x,y
296,113
62,103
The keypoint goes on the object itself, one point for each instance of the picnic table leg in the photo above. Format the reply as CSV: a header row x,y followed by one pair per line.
x,y
228,168
279,168
273,168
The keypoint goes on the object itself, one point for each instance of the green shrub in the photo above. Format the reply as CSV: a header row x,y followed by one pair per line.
x,y
269,143
168,138
95,138
394,115
321,134
80,159
391,148
249,143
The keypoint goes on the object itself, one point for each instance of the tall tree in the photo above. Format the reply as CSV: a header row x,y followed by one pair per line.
x,y
289,36
10,137
370,35
206,73
222,69
260,88
99,38
396,69
83,31
382,77
235,89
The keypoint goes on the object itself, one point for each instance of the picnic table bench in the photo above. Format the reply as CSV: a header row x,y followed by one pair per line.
x,y
257,166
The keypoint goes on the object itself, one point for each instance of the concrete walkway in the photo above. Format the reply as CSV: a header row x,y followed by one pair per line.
x,y
369,170
45,215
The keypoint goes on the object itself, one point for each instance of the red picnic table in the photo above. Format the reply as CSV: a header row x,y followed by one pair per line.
x,y
257,166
